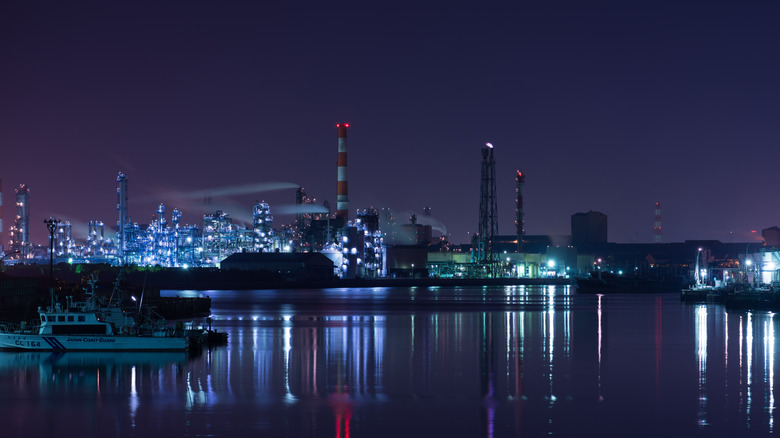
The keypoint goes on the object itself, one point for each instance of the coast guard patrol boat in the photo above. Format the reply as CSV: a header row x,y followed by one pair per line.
x,y
87,326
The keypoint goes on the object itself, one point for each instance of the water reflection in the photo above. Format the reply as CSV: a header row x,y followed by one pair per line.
x,y
735,389
481,362
350,358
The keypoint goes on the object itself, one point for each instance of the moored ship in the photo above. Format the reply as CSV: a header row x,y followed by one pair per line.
x,y
87,326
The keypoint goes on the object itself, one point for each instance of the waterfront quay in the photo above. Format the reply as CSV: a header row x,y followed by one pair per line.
x,y
23,288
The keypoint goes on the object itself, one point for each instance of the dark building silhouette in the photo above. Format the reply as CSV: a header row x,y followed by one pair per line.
x,y
289,266
771,236
588,228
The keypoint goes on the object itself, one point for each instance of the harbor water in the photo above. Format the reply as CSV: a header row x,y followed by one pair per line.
x,y
498,361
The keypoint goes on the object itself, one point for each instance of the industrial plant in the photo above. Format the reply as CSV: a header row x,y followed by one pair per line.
x,y
375,243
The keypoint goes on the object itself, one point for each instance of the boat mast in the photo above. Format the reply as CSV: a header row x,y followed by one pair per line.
x,y
696,269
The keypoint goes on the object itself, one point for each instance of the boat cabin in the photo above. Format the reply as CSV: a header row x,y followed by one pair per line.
x,y
67,323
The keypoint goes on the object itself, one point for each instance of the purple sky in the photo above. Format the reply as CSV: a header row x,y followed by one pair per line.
x,y
611,107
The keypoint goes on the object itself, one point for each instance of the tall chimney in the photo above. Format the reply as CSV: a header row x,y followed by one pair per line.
x,y
124,219
342,201
519,220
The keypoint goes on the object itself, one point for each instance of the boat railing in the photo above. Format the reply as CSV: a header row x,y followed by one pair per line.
x,y
17,327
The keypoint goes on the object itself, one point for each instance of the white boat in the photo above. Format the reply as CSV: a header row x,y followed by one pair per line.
x,y
86,326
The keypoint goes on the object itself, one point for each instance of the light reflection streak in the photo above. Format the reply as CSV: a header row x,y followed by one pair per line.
x,y
286,348
726,342
701,355
749,365
551,337
658,342
741,340
489,376
134,401
770,341
509,338
599,313
379,350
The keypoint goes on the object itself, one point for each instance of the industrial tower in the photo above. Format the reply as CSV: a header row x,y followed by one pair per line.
x,y
342,201
519,224
124,218
487,207
658,235
20,231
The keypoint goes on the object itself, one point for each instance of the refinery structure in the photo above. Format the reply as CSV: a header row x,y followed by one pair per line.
x,y
373,243
356,247
370,244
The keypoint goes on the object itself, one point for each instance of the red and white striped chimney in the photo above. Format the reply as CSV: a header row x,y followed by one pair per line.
x,y
342,201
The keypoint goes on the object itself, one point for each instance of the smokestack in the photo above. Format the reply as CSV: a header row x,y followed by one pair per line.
x,y
121,206
342,201
519,220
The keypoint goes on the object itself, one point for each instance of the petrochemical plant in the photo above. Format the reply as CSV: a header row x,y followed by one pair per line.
x,y
356,247
361,248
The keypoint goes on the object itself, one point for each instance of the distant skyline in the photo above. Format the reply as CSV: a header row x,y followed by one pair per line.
x,y
608,107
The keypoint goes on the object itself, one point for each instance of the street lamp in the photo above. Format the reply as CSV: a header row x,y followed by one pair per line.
x,y
52,225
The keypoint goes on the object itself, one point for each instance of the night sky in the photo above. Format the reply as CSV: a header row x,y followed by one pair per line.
x,y
605,106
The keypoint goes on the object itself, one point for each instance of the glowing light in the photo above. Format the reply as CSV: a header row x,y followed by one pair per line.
x,y
490,145
550,263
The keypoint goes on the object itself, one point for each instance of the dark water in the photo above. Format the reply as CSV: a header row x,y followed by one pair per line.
x,y
418,362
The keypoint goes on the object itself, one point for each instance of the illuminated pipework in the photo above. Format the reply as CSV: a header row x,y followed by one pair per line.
x,y
96,242
218,237
303,239
20,231
261,223
373,244
168,243
342,200
161,244
63,243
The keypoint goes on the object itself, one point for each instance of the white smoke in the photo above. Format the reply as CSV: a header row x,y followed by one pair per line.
x,y
221,191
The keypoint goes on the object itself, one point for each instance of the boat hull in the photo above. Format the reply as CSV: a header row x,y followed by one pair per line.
x,y
16,341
